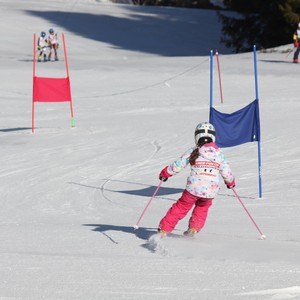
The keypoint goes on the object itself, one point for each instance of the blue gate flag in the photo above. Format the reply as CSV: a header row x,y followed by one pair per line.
x,y
237,128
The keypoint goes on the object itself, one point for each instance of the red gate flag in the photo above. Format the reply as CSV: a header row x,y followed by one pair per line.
x,y
51,89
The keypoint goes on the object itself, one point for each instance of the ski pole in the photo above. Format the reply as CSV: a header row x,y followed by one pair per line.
x,y
262,236
290,51
136,226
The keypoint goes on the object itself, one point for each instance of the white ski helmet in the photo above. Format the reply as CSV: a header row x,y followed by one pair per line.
x,y
205,130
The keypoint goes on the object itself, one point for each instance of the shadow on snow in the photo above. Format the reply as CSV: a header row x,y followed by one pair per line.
x,y
145,191
152,30
142,232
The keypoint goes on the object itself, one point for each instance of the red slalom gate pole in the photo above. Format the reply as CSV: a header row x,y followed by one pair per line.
x,y
219,72
34,74
67,70
262,236
136,226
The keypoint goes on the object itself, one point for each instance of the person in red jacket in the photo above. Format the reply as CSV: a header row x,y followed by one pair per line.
x,y
207,162
296,39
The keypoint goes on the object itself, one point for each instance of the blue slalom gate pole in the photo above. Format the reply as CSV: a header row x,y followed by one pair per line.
x,y
258,142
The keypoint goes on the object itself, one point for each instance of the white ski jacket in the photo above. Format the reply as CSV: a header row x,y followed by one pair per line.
x,y
204,180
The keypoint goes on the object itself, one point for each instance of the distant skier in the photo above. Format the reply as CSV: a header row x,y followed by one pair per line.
x,y
53,44
207,161
296,39
42,45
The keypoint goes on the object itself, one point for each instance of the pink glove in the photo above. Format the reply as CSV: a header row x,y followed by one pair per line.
x,y
164,175
231,184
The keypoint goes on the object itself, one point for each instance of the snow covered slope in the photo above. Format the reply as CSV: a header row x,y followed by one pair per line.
x,y
140,85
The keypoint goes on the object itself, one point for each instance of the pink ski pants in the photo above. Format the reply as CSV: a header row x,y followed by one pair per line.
x,y
180,209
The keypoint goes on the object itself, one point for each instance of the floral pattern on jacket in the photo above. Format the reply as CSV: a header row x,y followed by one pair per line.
x,y
204,179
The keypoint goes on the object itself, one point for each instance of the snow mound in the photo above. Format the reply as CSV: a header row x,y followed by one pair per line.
x,y
156,244
284,293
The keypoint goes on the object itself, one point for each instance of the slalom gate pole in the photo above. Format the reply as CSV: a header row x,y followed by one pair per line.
x,y
258,142
136,226
34,74
219,72
211,79
68,76
262,236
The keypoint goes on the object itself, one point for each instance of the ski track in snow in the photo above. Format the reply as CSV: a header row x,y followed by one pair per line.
x,y
127,169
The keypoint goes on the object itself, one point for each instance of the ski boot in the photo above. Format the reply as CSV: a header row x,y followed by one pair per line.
x,y
162,233
45,57
190,232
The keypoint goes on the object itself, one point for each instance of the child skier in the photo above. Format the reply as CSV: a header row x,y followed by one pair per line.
x,y
53,44
42,45
207,161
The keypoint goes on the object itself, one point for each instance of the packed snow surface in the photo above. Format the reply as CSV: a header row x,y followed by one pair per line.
x,y
140,84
